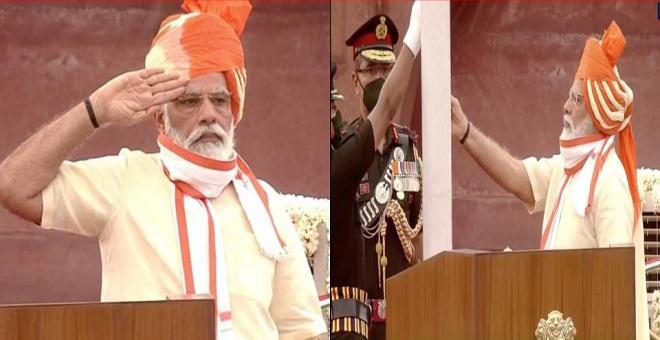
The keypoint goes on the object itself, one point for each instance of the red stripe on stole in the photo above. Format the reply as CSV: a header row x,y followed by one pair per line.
x,y
600,161
212,255
548,226
224,316
183,241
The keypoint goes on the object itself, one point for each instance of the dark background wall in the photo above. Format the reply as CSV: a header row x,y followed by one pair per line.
x,y
55,54
512,66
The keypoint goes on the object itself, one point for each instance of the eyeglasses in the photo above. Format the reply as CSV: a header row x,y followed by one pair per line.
x,y
375,69
190,103
576,98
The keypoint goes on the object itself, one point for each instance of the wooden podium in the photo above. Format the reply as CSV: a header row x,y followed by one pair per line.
x,y
162,320
503,295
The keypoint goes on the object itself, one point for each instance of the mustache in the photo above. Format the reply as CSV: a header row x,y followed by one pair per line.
x,y
204,129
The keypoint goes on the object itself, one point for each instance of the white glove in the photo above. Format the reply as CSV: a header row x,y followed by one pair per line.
x,y
413,38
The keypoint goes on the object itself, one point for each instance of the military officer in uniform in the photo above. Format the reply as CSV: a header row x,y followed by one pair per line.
x,y
389,195
350,312
353,153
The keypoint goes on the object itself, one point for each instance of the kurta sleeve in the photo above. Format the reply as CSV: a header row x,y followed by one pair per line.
x,y
539,172
84,195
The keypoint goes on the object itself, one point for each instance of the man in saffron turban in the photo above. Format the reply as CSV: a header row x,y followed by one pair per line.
x,y
191,219
588,192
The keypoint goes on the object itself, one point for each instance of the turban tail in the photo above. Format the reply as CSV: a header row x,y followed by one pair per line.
x,y
205,40
608,99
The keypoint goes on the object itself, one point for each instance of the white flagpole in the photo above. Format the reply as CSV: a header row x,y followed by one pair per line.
x,y
436,127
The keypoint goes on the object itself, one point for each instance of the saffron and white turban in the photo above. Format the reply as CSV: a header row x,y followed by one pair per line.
x,y
205,40
608,99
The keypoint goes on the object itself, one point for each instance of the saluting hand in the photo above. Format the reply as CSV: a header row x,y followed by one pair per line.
x,y
131,97
458,119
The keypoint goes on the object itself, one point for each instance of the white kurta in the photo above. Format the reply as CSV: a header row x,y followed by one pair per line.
x,y
608,223
126,202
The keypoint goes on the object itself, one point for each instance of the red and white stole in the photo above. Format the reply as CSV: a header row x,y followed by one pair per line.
x,y
197,180
583,158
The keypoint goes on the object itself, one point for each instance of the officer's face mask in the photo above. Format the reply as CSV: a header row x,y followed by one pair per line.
x,y
371,92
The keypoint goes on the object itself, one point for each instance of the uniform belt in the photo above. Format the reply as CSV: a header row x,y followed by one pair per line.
x,y
349,308
378,310
354,293
347,311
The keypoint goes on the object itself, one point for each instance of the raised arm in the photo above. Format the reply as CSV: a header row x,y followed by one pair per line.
x,y
508,171
396,84
125,100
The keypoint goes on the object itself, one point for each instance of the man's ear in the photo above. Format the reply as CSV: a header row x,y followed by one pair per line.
x,y
159,117
356,83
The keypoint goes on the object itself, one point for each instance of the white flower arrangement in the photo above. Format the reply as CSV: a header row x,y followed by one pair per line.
x,y
307,213
648,184
655,313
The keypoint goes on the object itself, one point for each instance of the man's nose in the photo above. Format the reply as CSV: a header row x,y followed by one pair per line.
x,y
567,107
383,73
207,112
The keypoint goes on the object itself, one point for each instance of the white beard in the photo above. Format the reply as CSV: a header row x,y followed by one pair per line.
x,y
584,128
222,150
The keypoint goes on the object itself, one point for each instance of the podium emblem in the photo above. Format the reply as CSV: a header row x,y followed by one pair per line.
x,y
555,327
